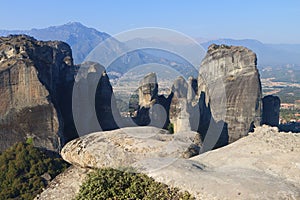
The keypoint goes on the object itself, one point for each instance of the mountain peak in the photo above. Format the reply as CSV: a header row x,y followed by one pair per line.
x,y
74,24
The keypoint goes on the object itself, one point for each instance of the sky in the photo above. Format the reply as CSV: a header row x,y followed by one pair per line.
x,y
270,21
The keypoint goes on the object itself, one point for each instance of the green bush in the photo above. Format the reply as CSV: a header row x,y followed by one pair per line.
x,y
29,140
170,128
21,170
114,184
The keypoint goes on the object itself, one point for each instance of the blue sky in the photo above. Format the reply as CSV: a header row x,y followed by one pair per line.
x,y
270,21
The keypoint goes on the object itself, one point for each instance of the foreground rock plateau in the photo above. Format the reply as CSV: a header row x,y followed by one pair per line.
x,y
263,165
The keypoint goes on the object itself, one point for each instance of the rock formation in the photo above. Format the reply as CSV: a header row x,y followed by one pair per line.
x,y
128,145
179,115
263,165
32,75
36,91
223,104
148,90
229,77
94,105
271,109
69,182
153,108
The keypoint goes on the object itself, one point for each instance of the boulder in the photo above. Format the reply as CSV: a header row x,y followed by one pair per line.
x,y
123,147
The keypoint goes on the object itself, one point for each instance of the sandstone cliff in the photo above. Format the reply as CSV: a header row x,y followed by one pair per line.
x,y
229,77
37,93
32,74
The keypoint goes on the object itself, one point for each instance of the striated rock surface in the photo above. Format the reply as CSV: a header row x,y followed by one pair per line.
x,y
125,146
229,77
271,110
32,77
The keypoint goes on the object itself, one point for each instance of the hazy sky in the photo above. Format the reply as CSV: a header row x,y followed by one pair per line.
x,y
270,21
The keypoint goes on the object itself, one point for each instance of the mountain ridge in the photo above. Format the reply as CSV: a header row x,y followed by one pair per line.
x,y
83,40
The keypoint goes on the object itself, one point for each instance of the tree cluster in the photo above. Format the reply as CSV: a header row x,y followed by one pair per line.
x,y
23,169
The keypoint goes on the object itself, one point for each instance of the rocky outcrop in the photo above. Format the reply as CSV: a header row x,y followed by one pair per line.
x,y
153,108
94,105
39,94
271,109
229,77
179,113
66,185
32,76
148,90
263,165
125,146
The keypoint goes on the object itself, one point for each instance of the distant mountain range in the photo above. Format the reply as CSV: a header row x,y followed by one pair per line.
x,y
268,54
83,40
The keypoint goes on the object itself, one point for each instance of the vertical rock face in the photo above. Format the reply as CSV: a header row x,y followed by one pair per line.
x,y
179,115
192,89
153,108
271,109
229,77
94,105
31,73
148,90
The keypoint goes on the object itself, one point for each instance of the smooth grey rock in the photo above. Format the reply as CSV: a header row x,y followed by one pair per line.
x,y
263,165
125,146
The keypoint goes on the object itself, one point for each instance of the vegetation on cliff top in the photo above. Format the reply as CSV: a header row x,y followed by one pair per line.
x,y
115,184
25,170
